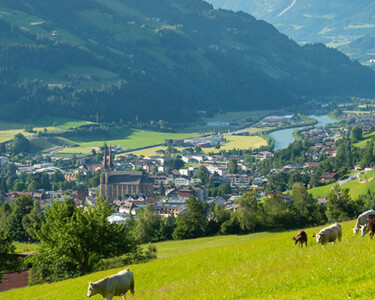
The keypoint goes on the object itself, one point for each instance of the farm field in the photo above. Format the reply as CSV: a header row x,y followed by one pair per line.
x,y
239,142
128,138
256,266
9,129
233,141
77,150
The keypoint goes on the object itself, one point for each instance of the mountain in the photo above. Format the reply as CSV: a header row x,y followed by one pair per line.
x,y
149,60
337,23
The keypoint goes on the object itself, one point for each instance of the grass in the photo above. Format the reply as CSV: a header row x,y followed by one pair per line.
x,y
77,150
255,266
239,142
321,191
240,116
356,187
23,247
365,139
128,138
9,129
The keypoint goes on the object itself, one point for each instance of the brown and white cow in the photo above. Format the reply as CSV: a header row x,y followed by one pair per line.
x,y
115,285
329,234
369,227
361,220
300,239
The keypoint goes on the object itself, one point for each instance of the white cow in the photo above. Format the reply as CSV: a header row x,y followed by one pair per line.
x,y
115,285
329,234
361,220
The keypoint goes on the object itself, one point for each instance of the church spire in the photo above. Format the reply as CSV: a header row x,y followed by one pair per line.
x,y
105,158
110,158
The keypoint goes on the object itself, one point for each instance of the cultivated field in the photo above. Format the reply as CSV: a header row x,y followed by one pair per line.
x,y
128,138
255,266
9,129
239,142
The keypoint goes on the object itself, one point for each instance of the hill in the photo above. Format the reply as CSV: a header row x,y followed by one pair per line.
x,y
346,24
255,266
142,61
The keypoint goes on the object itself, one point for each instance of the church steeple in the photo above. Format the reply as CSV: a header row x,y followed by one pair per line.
x,y
105,158
110,158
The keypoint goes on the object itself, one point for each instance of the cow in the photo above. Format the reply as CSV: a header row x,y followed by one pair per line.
x,y
115,285
361,220
370,226
329,234
300,239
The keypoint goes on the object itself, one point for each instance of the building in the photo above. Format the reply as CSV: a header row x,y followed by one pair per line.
x,y
117,184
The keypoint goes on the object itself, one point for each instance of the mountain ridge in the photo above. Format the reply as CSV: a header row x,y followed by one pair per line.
x,y
134,60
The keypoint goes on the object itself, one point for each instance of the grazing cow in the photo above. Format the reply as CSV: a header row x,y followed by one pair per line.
x,y
370,226
329,234
115,285
300,239
361,220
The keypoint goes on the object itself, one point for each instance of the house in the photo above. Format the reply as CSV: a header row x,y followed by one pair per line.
x,y
217,181
327,176
181,181
239,180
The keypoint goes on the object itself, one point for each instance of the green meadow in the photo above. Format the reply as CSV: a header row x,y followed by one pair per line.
x,y
9,129
256,266
127,138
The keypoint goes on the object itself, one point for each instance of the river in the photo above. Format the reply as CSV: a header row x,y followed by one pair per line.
x,y
284,137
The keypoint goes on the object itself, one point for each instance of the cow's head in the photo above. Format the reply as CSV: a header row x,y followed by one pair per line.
x,y
355,230
318,236
92,290
364,229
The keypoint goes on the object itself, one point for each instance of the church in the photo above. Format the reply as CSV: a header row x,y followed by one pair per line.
x,y
120,184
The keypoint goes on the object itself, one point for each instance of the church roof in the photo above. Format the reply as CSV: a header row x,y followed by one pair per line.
x,y
127,177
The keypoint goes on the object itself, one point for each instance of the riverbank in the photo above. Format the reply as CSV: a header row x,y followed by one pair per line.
x,y
285,136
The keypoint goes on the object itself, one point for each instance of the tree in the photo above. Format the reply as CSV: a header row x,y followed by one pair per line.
x,y
247,211
356,134
203,174
74,239
20,208
6,252
32,222
20,144
232,166
339,205
192,223
148,225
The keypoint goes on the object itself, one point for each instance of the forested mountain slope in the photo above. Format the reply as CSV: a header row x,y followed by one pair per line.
x,y
167,59
347,25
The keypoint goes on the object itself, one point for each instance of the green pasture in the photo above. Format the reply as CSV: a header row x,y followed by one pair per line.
x,y
240,116
9,129
127,138
256,266
365,139
321,191
77,150
356,187
239,142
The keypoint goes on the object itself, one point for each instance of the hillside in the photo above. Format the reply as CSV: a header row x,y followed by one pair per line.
x,y
346,24
255,266
141,61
